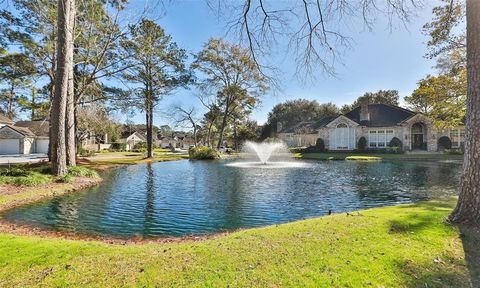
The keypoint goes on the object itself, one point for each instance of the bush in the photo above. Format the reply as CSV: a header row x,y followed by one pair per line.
x,y
424,146
14,172
444,143
85,152
67,178
395,142
119,147
203,153
362,144
78,171
22,177
143,145
320,145
33,179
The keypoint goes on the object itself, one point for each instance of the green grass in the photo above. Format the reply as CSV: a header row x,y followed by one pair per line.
x,y
23,177
403,246
404,157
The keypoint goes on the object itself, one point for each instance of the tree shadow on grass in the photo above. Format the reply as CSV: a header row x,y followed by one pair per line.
x,y
433,274
471,247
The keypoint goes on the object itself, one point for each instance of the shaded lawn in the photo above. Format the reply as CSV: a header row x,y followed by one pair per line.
x,y
402,246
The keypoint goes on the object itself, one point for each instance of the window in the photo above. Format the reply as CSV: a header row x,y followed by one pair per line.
x,y
381,138
342,125
372,139
458,137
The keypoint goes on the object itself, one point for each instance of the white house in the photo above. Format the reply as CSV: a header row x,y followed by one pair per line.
x,y
132,138
24,137
378,124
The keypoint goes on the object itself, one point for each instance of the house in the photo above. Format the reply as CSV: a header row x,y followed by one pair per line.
x,y
379,124
41,130
4,120
132,138
167,142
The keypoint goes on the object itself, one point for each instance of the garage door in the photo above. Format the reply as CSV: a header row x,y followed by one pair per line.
x,y
42,146
9,146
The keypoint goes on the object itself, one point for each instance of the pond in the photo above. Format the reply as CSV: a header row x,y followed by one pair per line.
x,y
195,197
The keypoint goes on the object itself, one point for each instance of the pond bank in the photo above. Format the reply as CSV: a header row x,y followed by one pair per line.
x,y
400,246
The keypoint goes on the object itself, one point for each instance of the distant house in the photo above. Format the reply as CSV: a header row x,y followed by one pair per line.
x,y
4,120
378,124
132,138
24,137
167,142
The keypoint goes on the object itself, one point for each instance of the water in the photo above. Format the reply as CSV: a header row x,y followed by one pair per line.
x,y
198,197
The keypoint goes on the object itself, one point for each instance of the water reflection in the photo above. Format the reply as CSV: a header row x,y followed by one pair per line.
x,y
183,197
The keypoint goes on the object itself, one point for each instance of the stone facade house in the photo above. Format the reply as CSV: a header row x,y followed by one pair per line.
x,y
379,124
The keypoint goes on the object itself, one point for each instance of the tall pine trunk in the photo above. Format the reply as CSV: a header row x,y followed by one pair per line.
x,y
468,206
59,103
70,110
149,113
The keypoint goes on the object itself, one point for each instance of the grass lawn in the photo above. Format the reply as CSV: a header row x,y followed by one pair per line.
x,y
402,246
406,157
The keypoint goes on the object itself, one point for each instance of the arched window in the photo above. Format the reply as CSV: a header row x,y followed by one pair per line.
x,y
417,128
342,125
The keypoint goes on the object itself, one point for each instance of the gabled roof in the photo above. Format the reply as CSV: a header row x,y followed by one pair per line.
x,y
39,128
5,120
21,130
382,115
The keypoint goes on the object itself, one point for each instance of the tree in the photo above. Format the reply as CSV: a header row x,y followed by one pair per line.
x,y
231,72
157,67
468,206
447,34
16,71
94,119
59,102
389,97
295,111
442,98
187,118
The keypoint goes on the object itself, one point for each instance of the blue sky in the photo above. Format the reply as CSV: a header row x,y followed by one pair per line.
x,y
378,59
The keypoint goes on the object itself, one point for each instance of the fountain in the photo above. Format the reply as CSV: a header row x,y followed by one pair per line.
x,y
266,155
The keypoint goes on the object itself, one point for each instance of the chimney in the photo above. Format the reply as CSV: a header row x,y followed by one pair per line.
x,y
364,114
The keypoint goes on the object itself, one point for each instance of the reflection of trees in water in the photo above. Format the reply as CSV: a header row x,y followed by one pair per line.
x,y
149,213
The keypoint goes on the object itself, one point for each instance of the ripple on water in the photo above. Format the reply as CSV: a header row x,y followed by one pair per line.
x,y
196,197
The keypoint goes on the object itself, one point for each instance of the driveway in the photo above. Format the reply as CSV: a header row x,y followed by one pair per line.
x,y
19,158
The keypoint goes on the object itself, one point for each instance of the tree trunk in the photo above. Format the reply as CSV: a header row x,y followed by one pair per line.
x,y
70,110
64,39
224,123
149,112
468,206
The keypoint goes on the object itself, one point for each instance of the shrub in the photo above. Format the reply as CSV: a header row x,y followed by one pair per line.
x,y
78,171
33,179
85,152
203,153
444,143
320,145
143,145
14,172
395,142
67,178
424,146
362,144
118,147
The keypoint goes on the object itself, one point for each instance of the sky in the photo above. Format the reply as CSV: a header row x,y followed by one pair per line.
x,y
383,58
